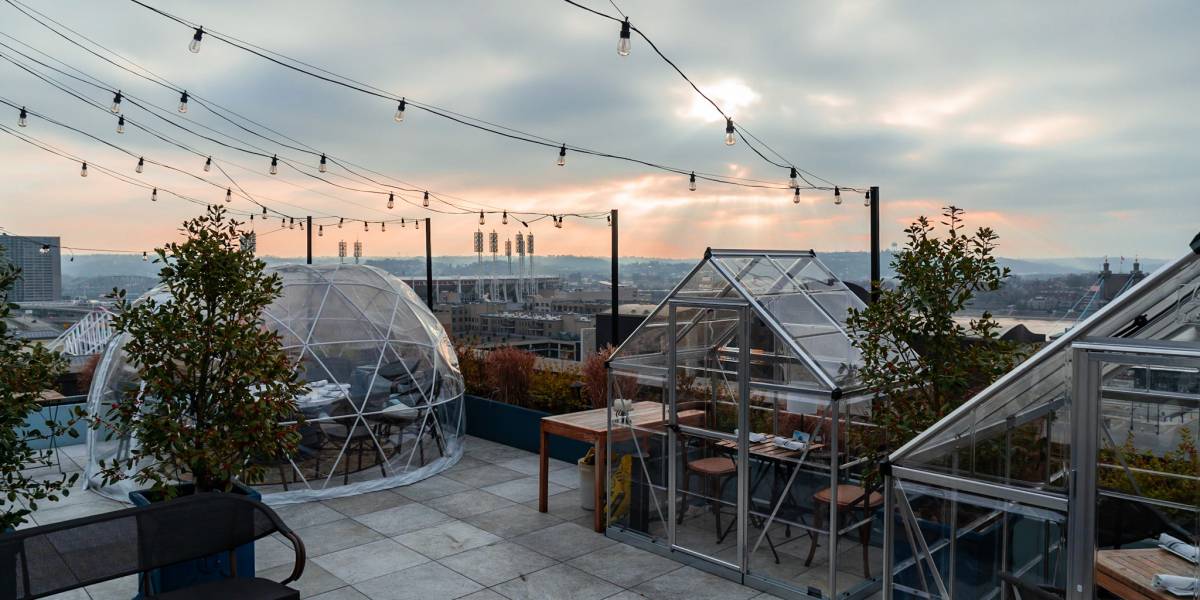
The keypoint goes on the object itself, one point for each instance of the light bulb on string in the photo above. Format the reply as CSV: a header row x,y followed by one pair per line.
x,y
141,166
796,196
383,226
145,257
402,223
623,41
83,170
417,223
274,165
837,195
229,198
45,249
794,179
301,225
692,182
340,221
208,164
121,124
481,217
504,219
399,118
194,45
867,198
609,219
227,192
22,118
391,199
322,168
291,222
562,155
183,98
116,103
366,226
558,222
320,231
154,195
730,139
425,200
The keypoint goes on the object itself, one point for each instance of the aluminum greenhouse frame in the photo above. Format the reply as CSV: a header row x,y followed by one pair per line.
x,y
1027,489
751,343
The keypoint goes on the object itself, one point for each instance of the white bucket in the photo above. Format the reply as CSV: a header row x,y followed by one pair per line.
x,y
587,486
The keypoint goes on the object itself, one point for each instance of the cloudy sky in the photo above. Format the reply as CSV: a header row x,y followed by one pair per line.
x,y
1069,127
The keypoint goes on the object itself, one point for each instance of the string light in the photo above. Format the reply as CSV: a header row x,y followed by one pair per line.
x,y
320,231
141,166
481,217
558,222
340,221
796,197
391,199
417,223
402,223
609,219
425,200
322,168
366,226
194,45
837,195
208,164
867,198
154,195
794,179
83,170
383,226
399,118
23,120
228,191
623,41
183,98
116,103
274,165
729,137
229,198
692,182
504,219
144,256
301,225
291,223
562,155
121,124
45,249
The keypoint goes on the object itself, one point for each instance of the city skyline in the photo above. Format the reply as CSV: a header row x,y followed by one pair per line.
x,y
1082,152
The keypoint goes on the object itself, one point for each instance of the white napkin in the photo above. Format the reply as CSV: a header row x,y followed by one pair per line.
x,y
1176,584
1180,547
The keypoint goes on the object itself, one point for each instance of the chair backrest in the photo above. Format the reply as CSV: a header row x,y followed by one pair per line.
x,y
46,560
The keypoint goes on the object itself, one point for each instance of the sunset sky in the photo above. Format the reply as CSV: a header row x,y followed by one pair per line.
x,y
1070,128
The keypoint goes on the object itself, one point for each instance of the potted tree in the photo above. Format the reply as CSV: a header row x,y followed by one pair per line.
x,y
215,385
26,370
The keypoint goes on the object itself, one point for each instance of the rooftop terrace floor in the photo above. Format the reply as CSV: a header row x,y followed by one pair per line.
x,y
472,532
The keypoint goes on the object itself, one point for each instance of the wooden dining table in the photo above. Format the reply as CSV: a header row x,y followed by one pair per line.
x,y
591,426
1128,573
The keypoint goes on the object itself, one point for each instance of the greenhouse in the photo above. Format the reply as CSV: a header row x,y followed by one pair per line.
x,y
739,429
1074,473
384,402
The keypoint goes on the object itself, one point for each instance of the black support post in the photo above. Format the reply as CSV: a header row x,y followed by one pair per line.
x,y
616,286
428,264
876,268
308,230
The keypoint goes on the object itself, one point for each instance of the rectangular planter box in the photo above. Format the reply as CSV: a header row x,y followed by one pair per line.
x,y
517,427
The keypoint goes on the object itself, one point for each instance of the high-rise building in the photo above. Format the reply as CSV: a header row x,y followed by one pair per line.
x,y
41,267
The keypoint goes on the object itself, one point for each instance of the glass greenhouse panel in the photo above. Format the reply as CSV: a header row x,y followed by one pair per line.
x,y
637,457
384,401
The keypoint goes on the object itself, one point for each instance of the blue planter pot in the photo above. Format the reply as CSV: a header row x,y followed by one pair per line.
x,y
517,427
200,570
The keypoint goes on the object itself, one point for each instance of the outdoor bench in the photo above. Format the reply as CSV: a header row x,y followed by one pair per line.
x,y
46,560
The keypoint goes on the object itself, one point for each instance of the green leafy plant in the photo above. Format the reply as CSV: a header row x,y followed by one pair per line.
x,y
920,362
26,370
215,383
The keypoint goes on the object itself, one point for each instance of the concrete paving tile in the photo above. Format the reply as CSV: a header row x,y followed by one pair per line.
x,y
530,464
564,506
272,552
313,581
688,583
497,563
433,487
564,541
344,593
483,476
624,565
306,514
369,561
522,490
336,535
446,539
429,581
468,503
361,504
513,521
402,519
559,582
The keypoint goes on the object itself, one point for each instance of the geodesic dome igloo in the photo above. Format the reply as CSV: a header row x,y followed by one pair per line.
x,y
385,400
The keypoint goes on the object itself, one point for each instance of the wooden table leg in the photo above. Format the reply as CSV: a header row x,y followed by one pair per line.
x,y
601,469
543,470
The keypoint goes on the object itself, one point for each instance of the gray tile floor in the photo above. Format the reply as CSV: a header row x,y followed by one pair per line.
x,y
473,532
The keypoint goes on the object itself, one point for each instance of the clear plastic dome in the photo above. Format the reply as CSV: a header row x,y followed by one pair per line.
x,y
385,400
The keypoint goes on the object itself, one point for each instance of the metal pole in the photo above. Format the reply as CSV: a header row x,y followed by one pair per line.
x,y
428,264
876,272
616,293
308,231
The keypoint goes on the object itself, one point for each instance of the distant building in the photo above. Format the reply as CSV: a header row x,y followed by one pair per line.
x,y
41,267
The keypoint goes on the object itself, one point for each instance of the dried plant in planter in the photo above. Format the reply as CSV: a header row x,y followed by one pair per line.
x,y
26,370
510,373
595,377
215,384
